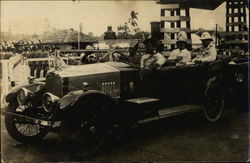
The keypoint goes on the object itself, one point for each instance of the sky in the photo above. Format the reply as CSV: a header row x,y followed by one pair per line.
x,y
30,17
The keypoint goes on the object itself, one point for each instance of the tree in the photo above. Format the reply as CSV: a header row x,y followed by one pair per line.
x,y
91,34
129,28
133,18
141,35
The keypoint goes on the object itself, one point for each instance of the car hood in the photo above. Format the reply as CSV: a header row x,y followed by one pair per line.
x,y
108,77
97,68
87,69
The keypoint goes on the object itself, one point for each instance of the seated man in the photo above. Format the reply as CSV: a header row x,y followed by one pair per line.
x,y
153,58
208,52
181,54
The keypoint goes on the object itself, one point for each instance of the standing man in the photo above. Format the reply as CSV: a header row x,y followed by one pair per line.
x,y
181,54
18,70
32,64
208,52
45,63
39,64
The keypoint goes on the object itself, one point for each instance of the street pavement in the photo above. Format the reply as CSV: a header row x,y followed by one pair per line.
x,y
182,138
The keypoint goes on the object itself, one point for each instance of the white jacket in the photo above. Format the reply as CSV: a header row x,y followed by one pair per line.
x,y
181,53
18,69
207,54
148,60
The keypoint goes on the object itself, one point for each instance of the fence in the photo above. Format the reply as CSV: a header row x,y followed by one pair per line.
x,y
4,87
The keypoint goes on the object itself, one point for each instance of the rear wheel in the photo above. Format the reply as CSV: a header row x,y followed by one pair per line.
x,y
214,103
22,129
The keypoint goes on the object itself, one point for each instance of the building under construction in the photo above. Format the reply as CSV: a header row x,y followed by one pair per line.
x,y
175,17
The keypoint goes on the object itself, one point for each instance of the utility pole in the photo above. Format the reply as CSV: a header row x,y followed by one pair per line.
x,y
216,35
79,35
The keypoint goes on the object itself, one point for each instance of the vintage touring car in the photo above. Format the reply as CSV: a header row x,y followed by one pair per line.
x,y
88,102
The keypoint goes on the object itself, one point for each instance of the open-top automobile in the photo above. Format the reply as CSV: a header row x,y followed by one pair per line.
x,y
88,102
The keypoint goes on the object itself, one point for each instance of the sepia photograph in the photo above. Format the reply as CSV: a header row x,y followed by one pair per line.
x,y
124,81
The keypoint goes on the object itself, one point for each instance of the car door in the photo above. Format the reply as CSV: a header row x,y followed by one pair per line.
x,y
175,85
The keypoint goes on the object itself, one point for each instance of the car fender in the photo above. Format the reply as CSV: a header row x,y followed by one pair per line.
x,y
72,98
34,87
215,81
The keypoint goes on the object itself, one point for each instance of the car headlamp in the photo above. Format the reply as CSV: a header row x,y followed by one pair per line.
x,y
49,101
24,95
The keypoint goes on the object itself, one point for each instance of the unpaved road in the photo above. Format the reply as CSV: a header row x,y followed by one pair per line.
x,y
183,138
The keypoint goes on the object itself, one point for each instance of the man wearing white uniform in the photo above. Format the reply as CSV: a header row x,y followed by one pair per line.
x,y
18,70
153,58
208,52
181,54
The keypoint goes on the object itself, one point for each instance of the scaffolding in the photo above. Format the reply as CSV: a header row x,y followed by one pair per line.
x,y
236,35
174,18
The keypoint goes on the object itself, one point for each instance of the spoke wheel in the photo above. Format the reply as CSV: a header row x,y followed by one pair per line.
x,y
21,129
214,103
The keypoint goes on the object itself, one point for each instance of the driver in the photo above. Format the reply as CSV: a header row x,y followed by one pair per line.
x,y
208,52
181,54
108,56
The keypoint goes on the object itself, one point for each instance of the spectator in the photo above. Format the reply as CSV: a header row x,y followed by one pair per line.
x,y
45,65
18,70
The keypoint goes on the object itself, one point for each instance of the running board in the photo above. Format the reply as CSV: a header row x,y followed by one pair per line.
x,y
173,111
142,100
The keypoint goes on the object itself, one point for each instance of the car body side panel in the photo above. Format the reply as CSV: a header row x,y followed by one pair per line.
x,y
108,83
130,84
237,90
175,85
129,80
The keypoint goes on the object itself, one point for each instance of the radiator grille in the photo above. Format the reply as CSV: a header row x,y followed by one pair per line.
x,y
54,84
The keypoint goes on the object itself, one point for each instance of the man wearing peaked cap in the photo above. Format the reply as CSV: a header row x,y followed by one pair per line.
x,y
208,52
181,54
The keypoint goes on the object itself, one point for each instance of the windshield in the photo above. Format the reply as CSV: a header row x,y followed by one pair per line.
x,y
124,56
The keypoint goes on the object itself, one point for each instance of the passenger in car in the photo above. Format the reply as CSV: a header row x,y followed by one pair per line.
x,y
181,54
208,52
153,59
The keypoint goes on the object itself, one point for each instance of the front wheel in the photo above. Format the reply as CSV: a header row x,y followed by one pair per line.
x,y
89,125
21,129
214,103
